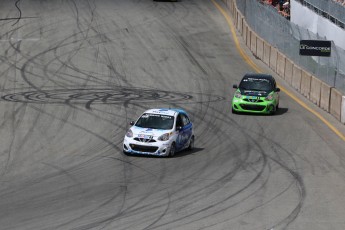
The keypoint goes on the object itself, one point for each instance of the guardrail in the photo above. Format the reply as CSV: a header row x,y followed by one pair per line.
x,y
320,93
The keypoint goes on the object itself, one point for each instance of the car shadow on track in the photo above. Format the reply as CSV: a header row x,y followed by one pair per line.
x,y
187,152
279,112
183,153
165,0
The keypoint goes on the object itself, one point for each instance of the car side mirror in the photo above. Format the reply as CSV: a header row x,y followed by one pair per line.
x,y
277,90
234,86
131,123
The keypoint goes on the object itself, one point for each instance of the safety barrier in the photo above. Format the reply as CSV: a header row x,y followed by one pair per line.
x,y
288,71
315,91
318,92
306,84
296,78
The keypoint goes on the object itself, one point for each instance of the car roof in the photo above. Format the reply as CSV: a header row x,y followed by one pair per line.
x,y
164,111
258,76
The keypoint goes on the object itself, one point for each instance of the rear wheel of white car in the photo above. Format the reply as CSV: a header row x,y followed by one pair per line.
x,y
191,143
172,150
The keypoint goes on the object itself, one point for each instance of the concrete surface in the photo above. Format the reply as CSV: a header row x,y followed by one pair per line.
x,y
75,73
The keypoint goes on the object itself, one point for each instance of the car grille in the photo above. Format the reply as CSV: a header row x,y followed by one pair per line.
x,y
253,107
143,148
253,100
144,140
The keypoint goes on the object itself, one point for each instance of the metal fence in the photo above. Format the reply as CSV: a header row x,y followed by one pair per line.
x,y
328,9
286,36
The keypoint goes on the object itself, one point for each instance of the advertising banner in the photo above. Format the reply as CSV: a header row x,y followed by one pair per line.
x,y
308,19
315,48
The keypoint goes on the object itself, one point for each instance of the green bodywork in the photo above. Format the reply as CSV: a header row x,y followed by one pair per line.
x,y
255,104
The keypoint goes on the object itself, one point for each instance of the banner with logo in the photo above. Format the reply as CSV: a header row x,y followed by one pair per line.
x,y
315,48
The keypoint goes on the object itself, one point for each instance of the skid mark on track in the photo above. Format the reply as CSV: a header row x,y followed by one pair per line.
x,y
115,95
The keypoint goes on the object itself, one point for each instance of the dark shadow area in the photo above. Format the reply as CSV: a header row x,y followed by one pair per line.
x,y
178,154
187,152
279,112
166,0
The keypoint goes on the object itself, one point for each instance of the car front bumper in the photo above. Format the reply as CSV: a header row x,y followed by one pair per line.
x,y
158,148
263,107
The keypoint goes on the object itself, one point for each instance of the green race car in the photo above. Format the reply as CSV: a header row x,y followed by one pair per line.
x,y
257,93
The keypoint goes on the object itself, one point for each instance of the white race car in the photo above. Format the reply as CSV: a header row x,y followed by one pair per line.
x,y
160,132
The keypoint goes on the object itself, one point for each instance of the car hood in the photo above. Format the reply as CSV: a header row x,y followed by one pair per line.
x,y
247,92
148,131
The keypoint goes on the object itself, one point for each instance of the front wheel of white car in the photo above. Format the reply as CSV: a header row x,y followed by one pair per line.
x,y
172,150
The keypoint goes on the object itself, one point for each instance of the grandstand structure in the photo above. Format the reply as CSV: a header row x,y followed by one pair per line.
x,y
334,10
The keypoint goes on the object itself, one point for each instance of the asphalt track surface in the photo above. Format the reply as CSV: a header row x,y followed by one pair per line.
x,y
75,73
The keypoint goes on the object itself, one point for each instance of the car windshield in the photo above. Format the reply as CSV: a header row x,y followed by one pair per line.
x,y
256,84
155,121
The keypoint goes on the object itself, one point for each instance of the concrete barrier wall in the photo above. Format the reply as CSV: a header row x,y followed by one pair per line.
x,y
315,92
343,110
267,53
239,23
259,48
305,84
244,31
335,103
249,31
280,64
273,58
231,5
253,37
288,71
325,96
296,78
237,17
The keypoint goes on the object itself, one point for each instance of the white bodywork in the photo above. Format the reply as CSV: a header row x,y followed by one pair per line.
x,y
152,141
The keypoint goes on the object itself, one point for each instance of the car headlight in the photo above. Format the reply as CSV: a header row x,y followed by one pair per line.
x,y
164,137
269,98
238,94
129,133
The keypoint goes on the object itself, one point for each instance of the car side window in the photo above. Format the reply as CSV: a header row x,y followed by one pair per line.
x,y
179,121
185,120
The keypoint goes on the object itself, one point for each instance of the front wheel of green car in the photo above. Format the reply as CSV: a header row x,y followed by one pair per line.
x,y
272,109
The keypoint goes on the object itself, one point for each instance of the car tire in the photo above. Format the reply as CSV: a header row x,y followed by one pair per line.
x,y
272,109
233,111
191,144
172,150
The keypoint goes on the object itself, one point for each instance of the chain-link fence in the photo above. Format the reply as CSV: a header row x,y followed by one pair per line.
x,y
286,36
